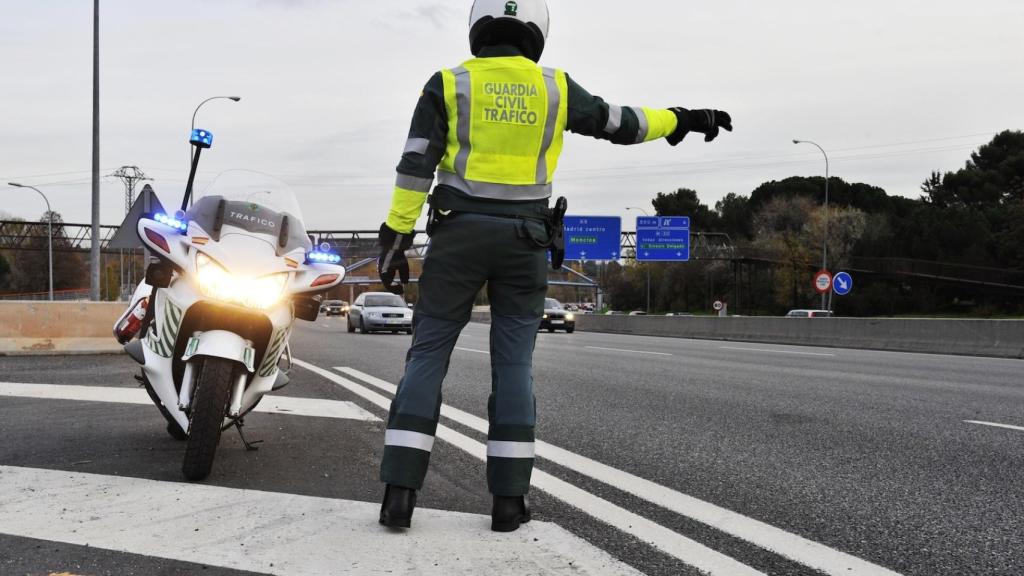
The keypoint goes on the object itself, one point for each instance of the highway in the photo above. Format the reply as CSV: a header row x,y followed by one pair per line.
x,y
658,456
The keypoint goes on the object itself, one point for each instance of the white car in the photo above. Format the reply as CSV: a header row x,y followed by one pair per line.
x,y
809,314
379,312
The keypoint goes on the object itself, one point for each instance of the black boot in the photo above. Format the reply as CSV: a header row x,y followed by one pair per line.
x,y
509,512
396,510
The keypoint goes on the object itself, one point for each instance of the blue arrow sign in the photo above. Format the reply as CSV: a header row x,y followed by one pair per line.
x,y
663,239
592,237
842,283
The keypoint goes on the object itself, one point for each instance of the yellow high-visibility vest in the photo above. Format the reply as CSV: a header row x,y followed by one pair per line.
x,y
506,121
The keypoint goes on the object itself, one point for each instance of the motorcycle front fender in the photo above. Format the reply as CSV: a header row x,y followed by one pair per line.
x,y
221,344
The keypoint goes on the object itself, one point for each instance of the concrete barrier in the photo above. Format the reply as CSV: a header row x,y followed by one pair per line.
x,y
997,338
28,328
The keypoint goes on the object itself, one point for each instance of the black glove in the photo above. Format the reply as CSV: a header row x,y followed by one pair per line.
x,y
707,122
392,258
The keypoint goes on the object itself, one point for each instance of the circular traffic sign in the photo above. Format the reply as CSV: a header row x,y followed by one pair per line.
x,y
842,284
823,281
718,305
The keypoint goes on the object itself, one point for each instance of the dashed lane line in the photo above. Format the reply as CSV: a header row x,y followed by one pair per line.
x,y
676,545
472,350
629,351
792,546
996,425
270,404
768,350
275,533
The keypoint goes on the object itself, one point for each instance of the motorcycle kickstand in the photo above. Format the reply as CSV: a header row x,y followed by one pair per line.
x,y
249,446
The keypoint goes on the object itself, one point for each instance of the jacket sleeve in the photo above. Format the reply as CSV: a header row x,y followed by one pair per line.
x,y
424,149
590,115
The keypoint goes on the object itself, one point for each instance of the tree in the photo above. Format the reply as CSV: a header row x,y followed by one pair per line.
x,y
735,216
993,175
684,202
865,197
30,266
781,229
5,274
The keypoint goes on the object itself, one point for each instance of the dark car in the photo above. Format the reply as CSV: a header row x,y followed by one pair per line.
x,y
557,318
379,312
334,307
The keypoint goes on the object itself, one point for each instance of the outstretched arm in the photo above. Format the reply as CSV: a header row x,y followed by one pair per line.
x,y
590,115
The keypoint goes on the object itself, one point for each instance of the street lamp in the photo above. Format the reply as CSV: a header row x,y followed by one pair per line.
x,y
232,98
49,229
647,267
824,240
196,111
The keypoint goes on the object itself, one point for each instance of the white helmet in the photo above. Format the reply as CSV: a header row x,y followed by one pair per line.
x,y
523,23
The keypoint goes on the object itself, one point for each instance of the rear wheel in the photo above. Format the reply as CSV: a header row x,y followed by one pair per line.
x,y
209,403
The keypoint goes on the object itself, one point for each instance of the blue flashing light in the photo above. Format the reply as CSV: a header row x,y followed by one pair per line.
x,y
324,257
201,138
179,225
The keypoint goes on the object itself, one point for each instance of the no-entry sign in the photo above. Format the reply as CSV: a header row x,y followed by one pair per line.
x,y
823,281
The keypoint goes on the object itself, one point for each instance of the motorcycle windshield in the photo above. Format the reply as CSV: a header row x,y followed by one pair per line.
x,y
242,201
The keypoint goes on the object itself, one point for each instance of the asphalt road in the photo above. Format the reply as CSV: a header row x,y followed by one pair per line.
x,y
672,456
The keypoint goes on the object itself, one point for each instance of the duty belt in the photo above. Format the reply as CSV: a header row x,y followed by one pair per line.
x,y
444,203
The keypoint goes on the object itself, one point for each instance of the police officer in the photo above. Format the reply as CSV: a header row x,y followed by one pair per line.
x,y
492,131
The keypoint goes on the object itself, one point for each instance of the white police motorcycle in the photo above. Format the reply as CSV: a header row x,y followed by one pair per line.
x,y
230,275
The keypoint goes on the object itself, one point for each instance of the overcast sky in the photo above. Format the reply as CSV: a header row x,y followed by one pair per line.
x,y
892,89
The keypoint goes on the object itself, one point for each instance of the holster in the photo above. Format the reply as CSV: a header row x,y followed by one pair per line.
x,y
556,229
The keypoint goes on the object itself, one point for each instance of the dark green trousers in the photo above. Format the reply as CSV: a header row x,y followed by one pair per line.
x,y
467,252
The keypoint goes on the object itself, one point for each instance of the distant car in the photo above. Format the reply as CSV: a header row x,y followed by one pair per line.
x,y
334,307
679,314
638,313
379,311
809,314
557,318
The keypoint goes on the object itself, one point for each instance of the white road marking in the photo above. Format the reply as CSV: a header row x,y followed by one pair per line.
x,y
472,350
792,546
684,549
775,351
996,425
270,404
283,534
630,351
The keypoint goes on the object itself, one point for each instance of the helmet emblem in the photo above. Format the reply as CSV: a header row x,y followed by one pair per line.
x,y
511,8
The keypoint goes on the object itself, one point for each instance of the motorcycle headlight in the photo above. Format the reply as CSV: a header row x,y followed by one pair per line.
x,y
217,283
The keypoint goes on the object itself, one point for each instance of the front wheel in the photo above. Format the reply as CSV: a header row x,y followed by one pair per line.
x,y
570,330
209,403
351,327
362,327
